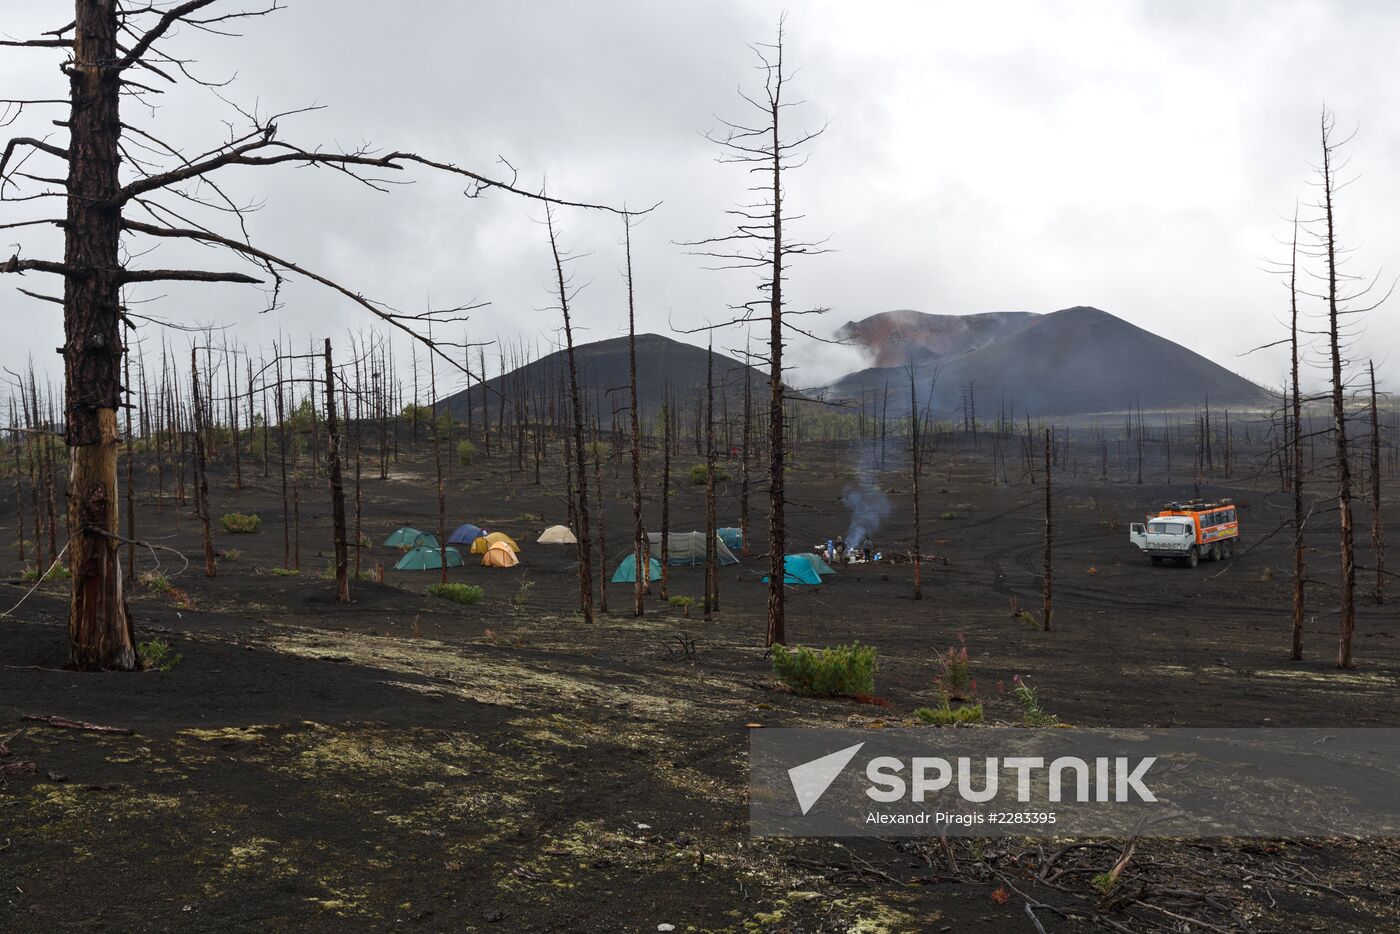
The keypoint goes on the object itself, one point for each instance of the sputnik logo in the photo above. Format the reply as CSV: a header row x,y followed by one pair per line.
x,y
810,780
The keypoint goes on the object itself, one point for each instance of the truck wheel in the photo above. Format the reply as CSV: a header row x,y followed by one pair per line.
x,y
1215,552
1229,550
1193,557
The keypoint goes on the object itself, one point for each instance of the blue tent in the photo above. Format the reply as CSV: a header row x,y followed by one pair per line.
x,y
733,538
626,572
466,534
815,560
798,570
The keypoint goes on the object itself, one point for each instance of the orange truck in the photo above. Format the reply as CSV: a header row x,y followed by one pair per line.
x,y
1189,532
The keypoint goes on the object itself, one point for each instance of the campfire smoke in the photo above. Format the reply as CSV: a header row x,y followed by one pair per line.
x,y
868,506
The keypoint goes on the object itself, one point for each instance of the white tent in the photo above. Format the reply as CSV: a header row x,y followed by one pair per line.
x,y
557,535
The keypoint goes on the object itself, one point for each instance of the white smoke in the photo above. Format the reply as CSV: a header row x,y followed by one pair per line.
x,y
868,506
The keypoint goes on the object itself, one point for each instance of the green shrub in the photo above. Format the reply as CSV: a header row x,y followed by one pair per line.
x,y
56,572
286,572
457,593
698,475
833,672
466,453
522,593
947,715
948,516
156,655
954,680
1031,710
156,582
231,554
239,523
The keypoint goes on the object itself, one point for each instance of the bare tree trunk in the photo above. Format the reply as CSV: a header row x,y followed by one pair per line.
x,y
711,602
1377,531
1049,542
602,525
585,570
1339,418
643,569
333,445
914,464
130,486
201,477
99,626
744,465
1295,442
668,416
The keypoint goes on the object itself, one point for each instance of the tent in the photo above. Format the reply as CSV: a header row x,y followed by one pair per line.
x,y
424,540
428,559
626,572
798,570
688,548
815,560
466,534
499,555
557,535
498,537
733,538
402,538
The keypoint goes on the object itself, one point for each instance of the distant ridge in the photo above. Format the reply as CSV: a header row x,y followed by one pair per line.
x,y
604,377
1075,361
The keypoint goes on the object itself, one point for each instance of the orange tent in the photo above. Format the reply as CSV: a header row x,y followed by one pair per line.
x,y
499,555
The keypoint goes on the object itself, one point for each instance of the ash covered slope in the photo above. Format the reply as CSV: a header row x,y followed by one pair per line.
x,y
1070,362
603,372
886,337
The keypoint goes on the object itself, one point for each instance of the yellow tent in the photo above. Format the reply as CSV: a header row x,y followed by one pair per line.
x,y
480,544
502,537
499,555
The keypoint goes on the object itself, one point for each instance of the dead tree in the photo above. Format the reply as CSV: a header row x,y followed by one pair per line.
x,y
201,477
1377,531
643,571
333,457
1295,445
711,601
1048,579
915,463
667,418
585,557
760,242
106,42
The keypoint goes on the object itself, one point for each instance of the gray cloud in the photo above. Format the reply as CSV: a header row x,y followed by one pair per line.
x,y
1137,157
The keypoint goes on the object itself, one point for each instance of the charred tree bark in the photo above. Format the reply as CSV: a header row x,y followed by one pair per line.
x,y
666,429
1377,530
640,564
1048,580
711,602
1339,418
99,625
585,556
914,464
1295,442
201,467
333,475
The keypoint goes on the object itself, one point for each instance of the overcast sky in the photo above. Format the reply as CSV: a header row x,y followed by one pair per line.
x,y
1138,157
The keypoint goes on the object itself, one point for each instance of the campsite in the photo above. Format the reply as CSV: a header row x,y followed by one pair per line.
x,y
699,468
515,769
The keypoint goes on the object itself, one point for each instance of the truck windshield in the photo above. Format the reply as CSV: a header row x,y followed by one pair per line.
x,y
1166,528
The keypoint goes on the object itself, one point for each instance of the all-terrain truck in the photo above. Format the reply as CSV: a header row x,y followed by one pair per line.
x,y
1188,532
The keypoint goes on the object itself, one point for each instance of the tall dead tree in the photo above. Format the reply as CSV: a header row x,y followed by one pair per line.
x,y
585,557
1295,444
639,563
1047,582
711,602
333,476
915,462
101,211
760,242
201,467
1377,530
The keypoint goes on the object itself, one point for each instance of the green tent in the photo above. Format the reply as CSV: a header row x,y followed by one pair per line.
x,y
798,570
733,538
626,572
428,559
402,538
424,540
688,549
